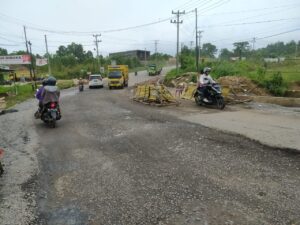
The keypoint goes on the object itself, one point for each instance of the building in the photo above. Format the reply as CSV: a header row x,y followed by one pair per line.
x,y
275,60
140,54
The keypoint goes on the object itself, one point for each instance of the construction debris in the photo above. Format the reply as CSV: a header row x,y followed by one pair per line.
x,y
153,93
241,86
2,104
235,89
240,89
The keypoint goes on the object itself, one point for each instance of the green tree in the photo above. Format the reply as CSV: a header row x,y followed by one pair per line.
x,y
209,50
241,48
3,51
225,54
187,59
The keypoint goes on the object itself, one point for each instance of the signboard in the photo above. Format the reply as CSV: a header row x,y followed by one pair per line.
x,y
101,69
41,62
15,59
113,62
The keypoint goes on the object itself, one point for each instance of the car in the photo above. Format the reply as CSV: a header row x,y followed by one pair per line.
x,y
95,80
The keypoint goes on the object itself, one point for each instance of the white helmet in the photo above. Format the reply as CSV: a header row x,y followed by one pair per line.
x,y
206,69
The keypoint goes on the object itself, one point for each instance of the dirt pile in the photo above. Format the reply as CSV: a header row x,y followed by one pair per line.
x,y
241,86
154,81
238,89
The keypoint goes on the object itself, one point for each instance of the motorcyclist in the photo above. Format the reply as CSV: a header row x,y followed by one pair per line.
x,y
51,92
80,84
204,80
40,97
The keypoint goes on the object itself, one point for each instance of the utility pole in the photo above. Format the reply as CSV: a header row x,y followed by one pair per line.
x,y
155,50
253,43
191,44
26,43
145,56
96,42
199,37
48,56
197,47
155,45
32,66
296,50
177,21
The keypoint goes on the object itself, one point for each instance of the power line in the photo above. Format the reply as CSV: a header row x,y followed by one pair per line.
x,y
213,6
274,35
248,23
250,10
8,45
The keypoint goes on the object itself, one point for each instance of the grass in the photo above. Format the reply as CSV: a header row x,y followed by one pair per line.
x,y
64,84
172,74
290,73
25,92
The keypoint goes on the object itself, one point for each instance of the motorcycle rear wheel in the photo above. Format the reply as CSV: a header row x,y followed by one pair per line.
x,y
220,103
52,124
197,100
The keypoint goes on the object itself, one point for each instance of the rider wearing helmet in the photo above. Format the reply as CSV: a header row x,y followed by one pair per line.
x,y
51,92
40,97
204,80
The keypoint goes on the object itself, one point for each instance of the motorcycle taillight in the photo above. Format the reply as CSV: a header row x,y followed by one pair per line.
x,y
52,105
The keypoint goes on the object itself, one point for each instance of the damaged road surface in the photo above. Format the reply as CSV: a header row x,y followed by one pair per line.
x,y
113,161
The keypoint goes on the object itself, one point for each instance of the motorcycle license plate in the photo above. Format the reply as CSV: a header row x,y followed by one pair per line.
x,y
53,114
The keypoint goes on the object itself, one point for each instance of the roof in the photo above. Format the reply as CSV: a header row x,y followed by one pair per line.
x,y
5,69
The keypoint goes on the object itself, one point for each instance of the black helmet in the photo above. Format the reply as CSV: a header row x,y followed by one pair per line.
x,y
44,82
51,81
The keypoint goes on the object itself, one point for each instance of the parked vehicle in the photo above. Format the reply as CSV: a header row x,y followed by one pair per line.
x,y
51,113
118,76
215,96
154,69
95,81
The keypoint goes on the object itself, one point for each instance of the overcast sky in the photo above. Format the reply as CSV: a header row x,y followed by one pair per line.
x,y
223,22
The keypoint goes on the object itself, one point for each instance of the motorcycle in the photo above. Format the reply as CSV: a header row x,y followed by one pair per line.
x,y
81,87
214,98
49,114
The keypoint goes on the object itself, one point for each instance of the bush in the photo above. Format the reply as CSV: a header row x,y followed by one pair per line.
x,y
194,79
276,85
224,69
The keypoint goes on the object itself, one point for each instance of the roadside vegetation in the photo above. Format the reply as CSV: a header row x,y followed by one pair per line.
x,y
18,93
276,77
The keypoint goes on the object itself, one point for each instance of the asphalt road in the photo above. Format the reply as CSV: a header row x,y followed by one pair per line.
x,y
113,161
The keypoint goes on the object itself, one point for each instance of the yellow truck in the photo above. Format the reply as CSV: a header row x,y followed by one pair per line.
x,y
117,76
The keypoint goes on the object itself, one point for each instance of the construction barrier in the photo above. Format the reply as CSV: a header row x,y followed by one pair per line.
x,y
189,91
154,94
